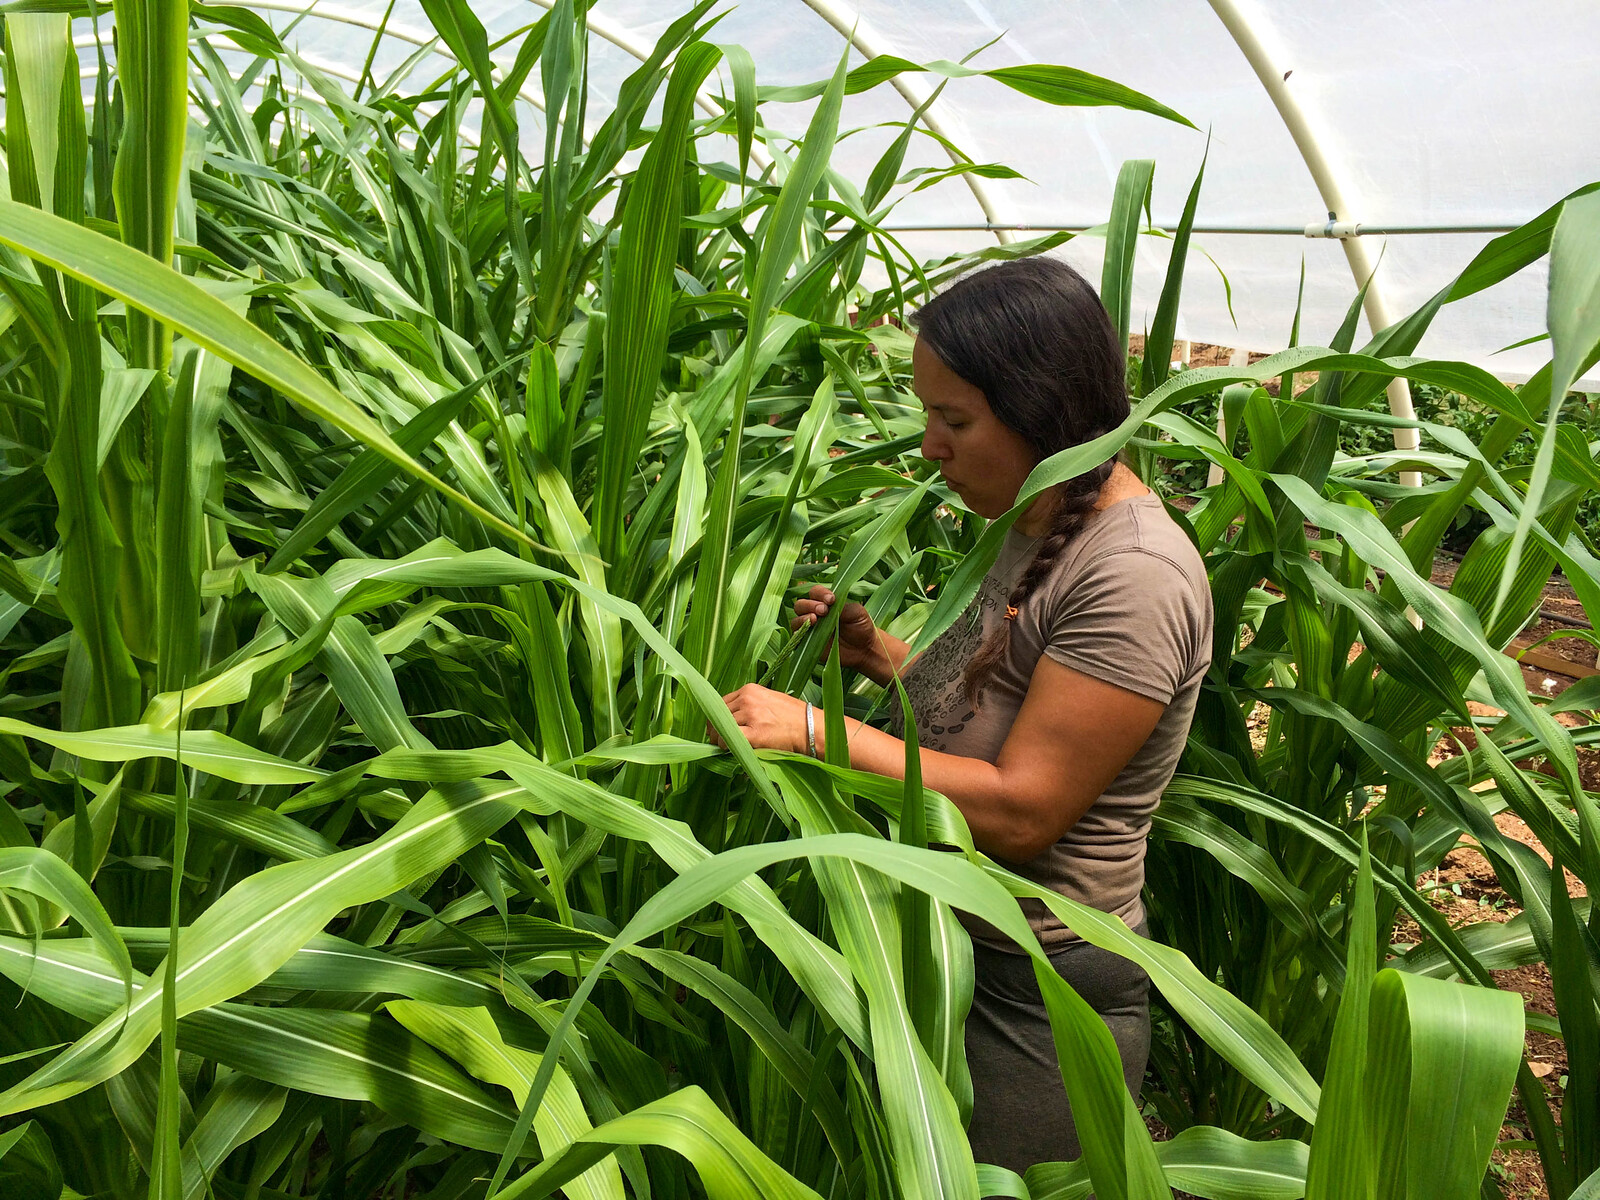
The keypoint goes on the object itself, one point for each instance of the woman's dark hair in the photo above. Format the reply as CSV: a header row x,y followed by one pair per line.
x,y
1033,337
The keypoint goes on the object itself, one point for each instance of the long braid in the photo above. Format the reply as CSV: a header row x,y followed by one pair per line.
x,y
1074,501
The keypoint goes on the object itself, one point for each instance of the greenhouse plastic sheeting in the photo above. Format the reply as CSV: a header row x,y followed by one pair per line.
x,y
1466,116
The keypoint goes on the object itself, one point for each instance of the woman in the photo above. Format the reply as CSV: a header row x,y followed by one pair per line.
x,y
1053,714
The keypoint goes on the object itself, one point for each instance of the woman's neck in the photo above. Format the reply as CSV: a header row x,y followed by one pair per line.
x,y
1122,485
1035,521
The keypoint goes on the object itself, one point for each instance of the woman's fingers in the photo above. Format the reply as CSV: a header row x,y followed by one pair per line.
x,y
816,601
808,612
813,606
732,699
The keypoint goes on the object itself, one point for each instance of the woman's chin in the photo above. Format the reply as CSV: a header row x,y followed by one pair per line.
x,y
982,506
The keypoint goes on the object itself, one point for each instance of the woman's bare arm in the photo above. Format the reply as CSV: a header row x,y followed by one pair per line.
x,y
889,661
1072,738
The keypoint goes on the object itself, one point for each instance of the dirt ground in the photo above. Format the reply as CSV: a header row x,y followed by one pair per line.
x,y
1205,354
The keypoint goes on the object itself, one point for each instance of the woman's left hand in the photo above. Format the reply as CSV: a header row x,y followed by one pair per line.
x,y
770,720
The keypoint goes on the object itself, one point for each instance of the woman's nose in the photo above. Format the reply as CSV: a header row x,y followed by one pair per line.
x,y
934,448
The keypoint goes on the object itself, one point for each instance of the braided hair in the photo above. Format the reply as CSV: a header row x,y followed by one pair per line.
x,y
1033,337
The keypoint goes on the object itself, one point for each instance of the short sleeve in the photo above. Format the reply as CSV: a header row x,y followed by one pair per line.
x,y
1131,618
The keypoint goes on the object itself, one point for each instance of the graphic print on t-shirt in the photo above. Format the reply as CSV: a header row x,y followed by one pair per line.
x,y
933,684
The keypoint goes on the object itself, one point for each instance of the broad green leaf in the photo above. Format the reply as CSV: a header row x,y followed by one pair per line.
x,y
817,967
175,300
240,939
729,1166
641,302
1120,1154
344,1055
1157,364
469,1036
207,750
29,1168
371,470
1573,315
1347,1139
236,1111
39,45
152,35
931,1155
34,871
1203,1161
1131,198
1227,1023
571,536
778,249
1450,1051
1041,81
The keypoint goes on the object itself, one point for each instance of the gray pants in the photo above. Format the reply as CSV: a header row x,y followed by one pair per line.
x,y
1020,1114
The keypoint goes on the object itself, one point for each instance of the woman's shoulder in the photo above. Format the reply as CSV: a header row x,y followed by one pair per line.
x,y
1131,604
1136,534
1134,571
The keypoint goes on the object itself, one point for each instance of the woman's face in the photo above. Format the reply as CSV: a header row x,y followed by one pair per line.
x,y
983,460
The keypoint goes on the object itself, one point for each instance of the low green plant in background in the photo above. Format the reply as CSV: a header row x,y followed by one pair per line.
x,y
1186,477
384,515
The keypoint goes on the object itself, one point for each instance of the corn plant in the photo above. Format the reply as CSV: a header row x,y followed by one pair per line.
x,y
384,515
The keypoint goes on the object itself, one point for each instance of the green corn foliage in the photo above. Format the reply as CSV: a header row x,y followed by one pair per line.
x,y
383,515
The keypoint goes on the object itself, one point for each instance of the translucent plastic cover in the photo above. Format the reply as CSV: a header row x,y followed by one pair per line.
x,y
1443,123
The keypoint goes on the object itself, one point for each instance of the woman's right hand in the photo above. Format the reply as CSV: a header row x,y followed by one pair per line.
x,y
858,637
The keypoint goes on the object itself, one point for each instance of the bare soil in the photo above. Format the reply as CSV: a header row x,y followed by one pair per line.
x,y
1206,354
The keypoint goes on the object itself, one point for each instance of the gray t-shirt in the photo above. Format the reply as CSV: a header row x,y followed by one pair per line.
x,y
1128,603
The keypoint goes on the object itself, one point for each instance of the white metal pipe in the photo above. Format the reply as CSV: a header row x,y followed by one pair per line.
x,y
853,28
1275,230
1244,23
